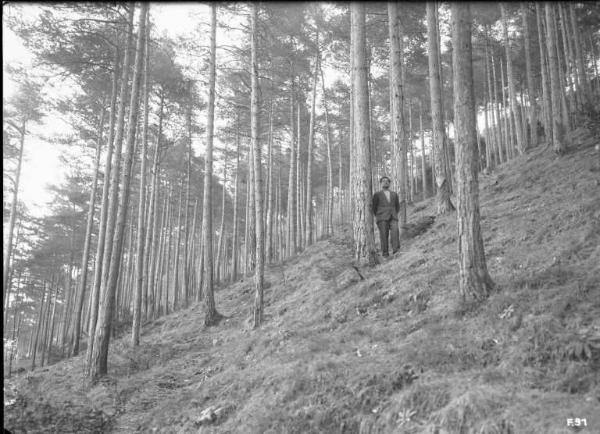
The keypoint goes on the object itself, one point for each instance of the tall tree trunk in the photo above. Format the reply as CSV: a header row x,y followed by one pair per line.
x,y
581,72
561,76
291,200
235,242
211,315
106,189
308,234
139,269
558,128
491,142
474,279
86,245
68,298
399,131
423,161
99,366
299,187
269,218
153,250
411,176
364,240
444,205
516,113
533,138
38,327
329,189
13,217
256,151
499,127
547,106
222,225
508,137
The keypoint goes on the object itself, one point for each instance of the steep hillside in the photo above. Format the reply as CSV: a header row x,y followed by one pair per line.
x,y
393,352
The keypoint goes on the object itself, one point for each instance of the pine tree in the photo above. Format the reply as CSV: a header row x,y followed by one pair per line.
x,y
474,279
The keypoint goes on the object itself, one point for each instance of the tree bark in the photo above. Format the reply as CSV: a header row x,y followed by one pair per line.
x,y
110,184
102,336
291,200
423,161
558,128
256,150
13,218
516,113
399,131
533,138
235,242
329,188
444,205
308,233
211,315
547,106
581,72
139,269
364,241
474,279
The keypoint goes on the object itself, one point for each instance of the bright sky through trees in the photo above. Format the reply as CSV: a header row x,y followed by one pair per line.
x,y
41,165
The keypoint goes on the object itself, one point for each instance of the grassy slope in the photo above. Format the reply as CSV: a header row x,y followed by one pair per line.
x,y
395,352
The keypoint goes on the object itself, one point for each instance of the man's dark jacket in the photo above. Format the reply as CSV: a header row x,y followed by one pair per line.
x,y
384,209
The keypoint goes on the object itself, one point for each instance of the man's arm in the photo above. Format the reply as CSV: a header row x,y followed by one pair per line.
x,y
374,204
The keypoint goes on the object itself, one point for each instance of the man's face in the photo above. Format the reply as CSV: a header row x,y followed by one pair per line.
x,y
385,183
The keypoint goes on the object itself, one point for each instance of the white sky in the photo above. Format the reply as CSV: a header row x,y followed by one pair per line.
x,y
41,165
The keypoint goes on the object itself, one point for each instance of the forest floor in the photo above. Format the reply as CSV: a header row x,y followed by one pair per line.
x,y
394,353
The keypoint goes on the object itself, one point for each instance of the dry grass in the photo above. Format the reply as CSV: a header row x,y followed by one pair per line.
x,y
395,352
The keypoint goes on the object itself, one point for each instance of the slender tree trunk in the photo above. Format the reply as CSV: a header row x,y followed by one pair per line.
x,y
291,200
547,106
299,187
86,245
153,250
13,217
474,279
222,225
106,189
362,216
581,72
516,113
269,219
68,298
399,130
423,161
308,234
38,327
235,242
491,143
256,151
508,138
329,189
211,315
98,367
561,76
444,205
558,128
141,232
529,72
499,128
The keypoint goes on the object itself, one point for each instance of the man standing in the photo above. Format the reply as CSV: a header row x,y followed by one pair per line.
x,y
386,206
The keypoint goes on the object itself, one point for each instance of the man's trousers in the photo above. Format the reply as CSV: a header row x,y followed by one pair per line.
x,y
387,228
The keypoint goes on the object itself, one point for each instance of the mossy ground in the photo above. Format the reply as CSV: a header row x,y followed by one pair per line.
x,y
395,352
